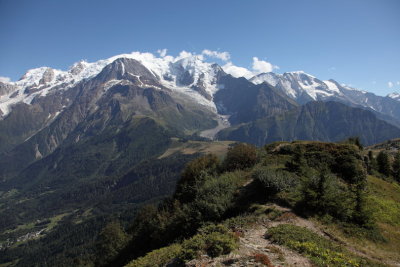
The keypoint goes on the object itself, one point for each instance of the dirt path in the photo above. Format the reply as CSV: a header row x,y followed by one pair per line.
x,y
291,218
253,242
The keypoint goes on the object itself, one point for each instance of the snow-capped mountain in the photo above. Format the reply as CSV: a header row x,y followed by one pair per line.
x,y
190,75
303,88
186,73
48,109
394,95
300,86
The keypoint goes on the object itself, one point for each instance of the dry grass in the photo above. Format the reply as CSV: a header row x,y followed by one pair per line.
x,y
263,259
218,148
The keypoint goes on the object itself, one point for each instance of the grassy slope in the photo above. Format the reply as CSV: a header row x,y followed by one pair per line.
x,y
218,148
340,245
384,203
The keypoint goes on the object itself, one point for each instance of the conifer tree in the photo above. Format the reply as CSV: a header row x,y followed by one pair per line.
x,y
111,240
298,162
383,163
396,167
373,165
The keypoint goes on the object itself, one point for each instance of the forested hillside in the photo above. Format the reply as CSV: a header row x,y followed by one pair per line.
x,y
321,204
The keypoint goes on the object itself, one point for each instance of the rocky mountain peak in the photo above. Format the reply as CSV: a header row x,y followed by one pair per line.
x,y
47,77
394,95
78,67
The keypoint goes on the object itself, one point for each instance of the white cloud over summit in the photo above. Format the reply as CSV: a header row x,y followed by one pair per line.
x,y
224,56
258,66
236,71
5,79
162,52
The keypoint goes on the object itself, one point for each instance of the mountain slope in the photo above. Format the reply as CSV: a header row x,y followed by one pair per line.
x,y
330,121
245,102
122,90
303,88
233,216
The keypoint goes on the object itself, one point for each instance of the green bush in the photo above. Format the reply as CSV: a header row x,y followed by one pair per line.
x,y
242,221
383,163
323,194
112,239
284,233
396,167
319,250
240,157
220,244
273,180
215,240
194,175
192,248
298,163
216,195
157,258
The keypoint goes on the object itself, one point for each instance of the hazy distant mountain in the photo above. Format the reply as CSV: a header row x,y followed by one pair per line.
x,y
323,121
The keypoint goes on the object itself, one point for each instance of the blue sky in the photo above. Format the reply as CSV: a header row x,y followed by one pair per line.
x,y
356,42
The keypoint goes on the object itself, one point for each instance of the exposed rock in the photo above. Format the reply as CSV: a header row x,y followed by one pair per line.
x,y
6,88
48,76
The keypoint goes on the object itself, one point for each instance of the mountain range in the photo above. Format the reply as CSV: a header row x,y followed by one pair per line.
x,y
88,134
48,109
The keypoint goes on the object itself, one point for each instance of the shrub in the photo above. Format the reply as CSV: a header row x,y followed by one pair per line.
x,y
241,222
215,240
354,141
191,248
194,175
298,163
111,240
396,167
383,163
240,157
323,194
159,257
263,259
216,196
275,181
273,213
318,249
350,168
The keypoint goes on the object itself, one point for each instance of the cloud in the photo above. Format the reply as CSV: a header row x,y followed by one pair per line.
x,y
185,54
162,52
224,56
398,83
236,71
5,79
346,85
260,66
390,84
